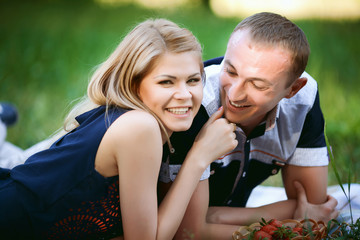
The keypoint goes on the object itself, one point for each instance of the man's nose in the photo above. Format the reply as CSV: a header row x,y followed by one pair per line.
x,y
237,91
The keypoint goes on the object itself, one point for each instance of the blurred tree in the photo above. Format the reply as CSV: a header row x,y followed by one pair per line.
x,y
206,3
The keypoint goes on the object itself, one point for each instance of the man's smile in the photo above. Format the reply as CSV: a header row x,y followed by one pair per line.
x,y
237,105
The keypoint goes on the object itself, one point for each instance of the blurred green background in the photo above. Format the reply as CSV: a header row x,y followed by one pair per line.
x,y
48,50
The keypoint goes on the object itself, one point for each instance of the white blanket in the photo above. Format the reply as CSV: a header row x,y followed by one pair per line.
x,y
262,195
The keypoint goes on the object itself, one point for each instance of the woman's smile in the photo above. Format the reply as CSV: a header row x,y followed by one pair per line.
x,y
173,90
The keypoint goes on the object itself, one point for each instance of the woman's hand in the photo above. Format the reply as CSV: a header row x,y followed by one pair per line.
x,y
216,138
318,212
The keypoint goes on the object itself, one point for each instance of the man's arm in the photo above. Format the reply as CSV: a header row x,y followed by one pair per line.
x,y
201,222
298,208
312,199
308,165
246,216
313,179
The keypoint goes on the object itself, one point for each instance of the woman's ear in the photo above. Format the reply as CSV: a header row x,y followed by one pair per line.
x,y
296,86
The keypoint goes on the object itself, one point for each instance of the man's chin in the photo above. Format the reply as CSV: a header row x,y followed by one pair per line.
x,y
231,117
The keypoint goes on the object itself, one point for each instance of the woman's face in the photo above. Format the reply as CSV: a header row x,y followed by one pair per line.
x,y
173,90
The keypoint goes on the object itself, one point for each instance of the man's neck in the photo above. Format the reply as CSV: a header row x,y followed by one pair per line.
x,y
250,127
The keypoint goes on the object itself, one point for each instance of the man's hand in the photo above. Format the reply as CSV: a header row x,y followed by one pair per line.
x,y
318,212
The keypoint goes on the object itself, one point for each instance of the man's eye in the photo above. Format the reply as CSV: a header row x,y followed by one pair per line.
x,y
259,86
230,72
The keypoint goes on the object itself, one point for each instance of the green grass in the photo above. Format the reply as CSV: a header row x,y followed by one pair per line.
x,y
48,50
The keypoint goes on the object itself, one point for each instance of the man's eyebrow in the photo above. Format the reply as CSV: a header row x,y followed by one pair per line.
x,y
262,80
229,63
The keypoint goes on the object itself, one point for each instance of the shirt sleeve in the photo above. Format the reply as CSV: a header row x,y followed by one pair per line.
x,y
311,149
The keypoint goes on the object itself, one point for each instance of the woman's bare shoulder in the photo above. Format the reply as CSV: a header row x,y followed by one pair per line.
x,y
129,131
134,123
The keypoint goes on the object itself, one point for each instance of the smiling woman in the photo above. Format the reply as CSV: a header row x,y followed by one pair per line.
x,y
104,170
174,90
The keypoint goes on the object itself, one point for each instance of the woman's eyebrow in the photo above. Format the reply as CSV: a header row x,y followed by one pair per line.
x,y
194,75
165,76
174,77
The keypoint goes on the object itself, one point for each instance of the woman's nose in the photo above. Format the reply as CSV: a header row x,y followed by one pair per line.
x,y
182,92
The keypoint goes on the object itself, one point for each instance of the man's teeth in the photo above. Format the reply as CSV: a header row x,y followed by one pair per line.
x,y
178,110
236,105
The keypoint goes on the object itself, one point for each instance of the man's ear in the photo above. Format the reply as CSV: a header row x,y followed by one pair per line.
x,y
296,86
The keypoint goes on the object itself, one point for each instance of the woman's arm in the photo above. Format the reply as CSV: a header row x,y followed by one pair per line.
x,y
194,225
216,134
134,141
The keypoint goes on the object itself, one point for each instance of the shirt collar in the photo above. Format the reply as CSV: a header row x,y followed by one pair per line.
x,y
271,118
266,125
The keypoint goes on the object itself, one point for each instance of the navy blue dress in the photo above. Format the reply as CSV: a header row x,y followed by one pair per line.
x,y
58,194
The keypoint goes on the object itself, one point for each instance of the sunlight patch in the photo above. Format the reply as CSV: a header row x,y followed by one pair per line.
x,y
294,9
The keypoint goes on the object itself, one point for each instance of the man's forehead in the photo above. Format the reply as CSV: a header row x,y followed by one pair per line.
x,y
244,37
268,64
240,36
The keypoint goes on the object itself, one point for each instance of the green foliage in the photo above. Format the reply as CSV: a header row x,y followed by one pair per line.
x,y
343,230
48,50
334,63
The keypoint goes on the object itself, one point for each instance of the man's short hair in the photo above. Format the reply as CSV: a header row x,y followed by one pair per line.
x,y
275,30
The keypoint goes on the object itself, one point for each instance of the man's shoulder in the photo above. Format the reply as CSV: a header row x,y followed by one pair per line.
x,y
213,67
211,91
213,61
293,112
212,70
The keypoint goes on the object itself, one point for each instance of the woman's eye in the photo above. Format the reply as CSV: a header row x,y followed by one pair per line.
x,y
194,80
165,82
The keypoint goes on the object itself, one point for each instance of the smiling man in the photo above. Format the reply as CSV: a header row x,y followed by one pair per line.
x,y
262,86
263,90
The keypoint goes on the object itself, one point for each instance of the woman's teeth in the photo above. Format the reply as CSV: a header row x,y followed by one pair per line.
x,y
178,111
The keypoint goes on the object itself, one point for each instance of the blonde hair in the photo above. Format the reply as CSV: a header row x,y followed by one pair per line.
x,y
116,81
275,30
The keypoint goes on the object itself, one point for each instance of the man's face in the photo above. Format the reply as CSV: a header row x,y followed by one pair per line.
x,y
253,79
